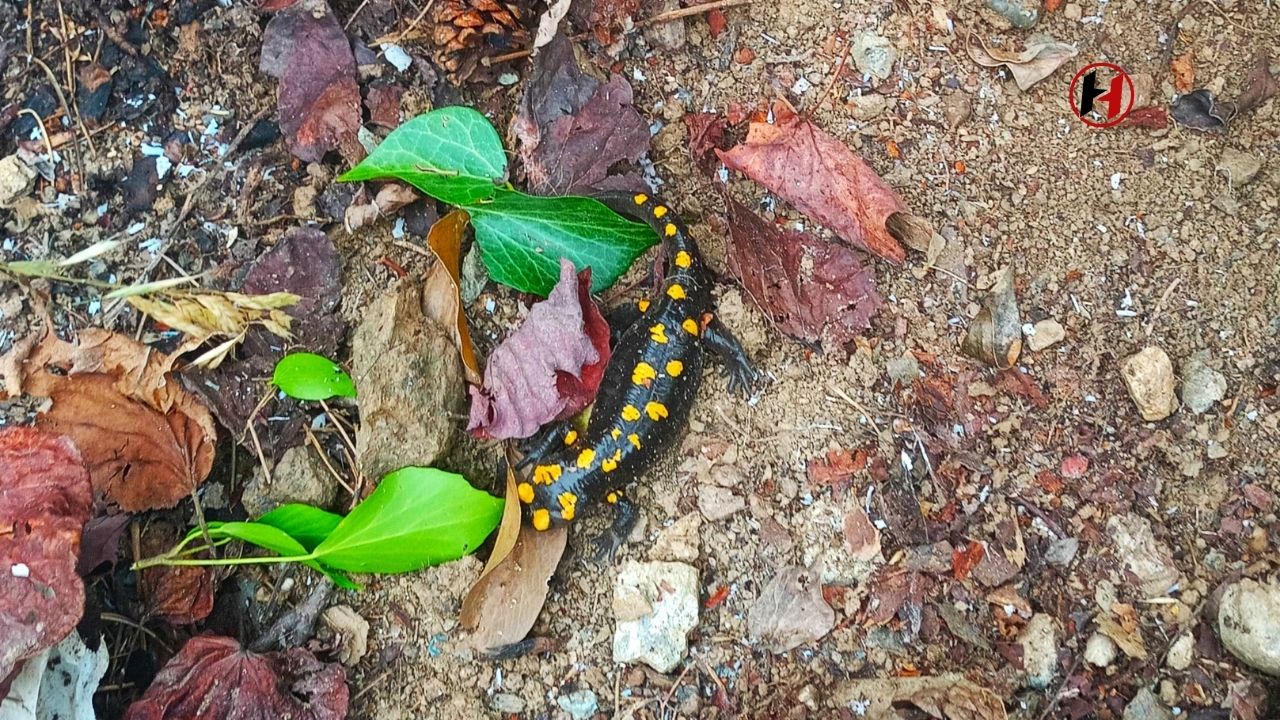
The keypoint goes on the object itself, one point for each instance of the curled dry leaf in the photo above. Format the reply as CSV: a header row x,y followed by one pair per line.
x,y
818,174
146,442
995,335
573,130
1199,110
941,696
391,197
1038,59
177,595
550,22
790,611
810,289
1259,86
44,504
305,47
441,291
214,678
549,368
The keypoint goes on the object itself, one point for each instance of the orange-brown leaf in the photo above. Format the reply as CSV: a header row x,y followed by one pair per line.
x,y
1184,72
441,297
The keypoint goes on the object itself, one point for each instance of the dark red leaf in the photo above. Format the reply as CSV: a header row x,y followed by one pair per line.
x,y
383,102
1152,117
964,558
807,287
44,504
549,368
819,175
177,595
706,135
101,541
213,678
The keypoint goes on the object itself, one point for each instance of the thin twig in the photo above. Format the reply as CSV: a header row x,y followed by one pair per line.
x,y
71,79
122,620
1164,297
324,457
844,56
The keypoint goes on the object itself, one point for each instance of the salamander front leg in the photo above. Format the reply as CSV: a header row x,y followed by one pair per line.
x,y
545,441
625,515
743,376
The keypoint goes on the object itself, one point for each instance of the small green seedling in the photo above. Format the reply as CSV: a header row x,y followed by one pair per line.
x,y
307,376
454,155
416,518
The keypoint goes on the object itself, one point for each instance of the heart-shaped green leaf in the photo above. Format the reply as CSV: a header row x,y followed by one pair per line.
x,y
452,154
522,238
416,517
307,376
304,523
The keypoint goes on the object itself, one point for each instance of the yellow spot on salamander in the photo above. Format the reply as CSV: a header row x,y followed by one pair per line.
x,y
571,437
660,211
643,305
641,199
615,433
608,464
670,230
676,291
630,413
586,457
683,259
546,474
674,368
568,504
611,498
655,410
690,326
634,439
658,334
541,519
525,491
643,374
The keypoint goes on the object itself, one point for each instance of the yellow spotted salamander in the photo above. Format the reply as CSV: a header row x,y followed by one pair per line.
x,y
647,389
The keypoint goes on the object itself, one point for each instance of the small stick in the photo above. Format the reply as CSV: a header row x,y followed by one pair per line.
x,y
848,48
324,457
1164,297
66,109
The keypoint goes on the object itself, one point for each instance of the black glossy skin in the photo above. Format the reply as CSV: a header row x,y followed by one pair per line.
x,y
637,413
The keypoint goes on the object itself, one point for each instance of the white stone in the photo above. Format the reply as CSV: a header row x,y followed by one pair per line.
x,y
656,605
1045,334
1039,641
1249,624
1148,375
1182,652
16,180
1142,555
1100,650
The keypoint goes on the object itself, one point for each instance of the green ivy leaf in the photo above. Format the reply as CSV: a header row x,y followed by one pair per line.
x,y
304,523
522,238
417,517
452,154
307,376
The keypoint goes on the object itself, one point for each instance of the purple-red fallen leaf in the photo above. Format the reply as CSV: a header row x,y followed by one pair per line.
x,y
177,595
213,678
706,135
319,102
573,129
304,262
809,288
550,367
820,176
44,504
790,611
383,102
1151,117
101,541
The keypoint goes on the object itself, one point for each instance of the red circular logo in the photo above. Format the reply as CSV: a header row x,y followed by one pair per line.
x,y
1102,90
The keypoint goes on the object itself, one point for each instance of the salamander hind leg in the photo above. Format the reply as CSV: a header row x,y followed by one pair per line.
x,y
742,374
625,515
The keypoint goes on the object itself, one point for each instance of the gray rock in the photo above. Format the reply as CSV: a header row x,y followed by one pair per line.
x,y
1202,386
1020,13
1100,650
299,477
867,107
1072,11
1249,624
1182,652
666,35
1045,333
1039,641
1148,375
956,108
717,503
1146,706
1142,554
506,703
655,605
903,370
580,704
678,543
16,180
1062,551
1239,167
874,55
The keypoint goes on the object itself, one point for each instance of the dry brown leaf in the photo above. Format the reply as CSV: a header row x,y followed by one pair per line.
x,y
502,607
790,611
1041,56
177,595
441,290
146,441
390,198
941,696
995,335
1184,72
1123,628
509,528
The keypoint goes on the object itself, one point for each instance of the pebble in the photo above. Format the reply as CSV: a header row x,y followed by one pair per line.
x,y
1239,167
903,370
16,180
1202,386
1044,334
1181,652
1062,551
350,633
1148,375
1100,650
299,477
1039,641
1249,624
1072,11
874,55
717,503
655,605
506,703
1020,13
1142,554
678,543
580,704
1146,706
867,107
